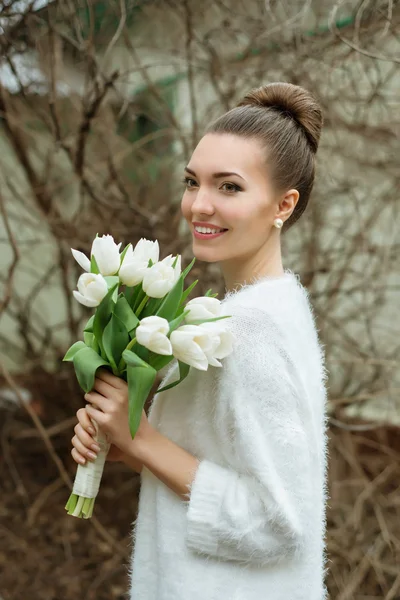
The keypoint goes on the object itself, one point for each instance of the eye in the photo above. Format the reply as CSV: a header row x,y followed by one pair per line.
x,y
231,187
189,182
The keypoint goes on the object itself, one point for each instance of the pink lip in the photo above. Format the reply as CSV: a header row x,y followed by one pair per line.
x,y
207,236
211,225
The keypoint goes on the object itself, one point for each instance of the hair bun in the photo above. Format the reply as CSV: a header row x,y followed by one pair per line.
x,y
293,101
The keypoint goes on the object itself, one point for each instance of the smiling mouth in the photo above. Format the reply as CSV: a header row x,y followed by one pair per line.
x,y
211,232
214,232
203,236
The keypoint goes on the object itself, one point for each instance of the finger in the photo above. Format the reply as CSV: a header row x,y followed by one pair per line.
x,y
86,439
96,415
85,421
78,457
104,388
82,450
99,401
112,380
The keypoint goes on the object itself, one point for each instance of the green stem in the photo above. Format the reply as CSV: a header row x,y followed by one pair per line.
x,y
142,305
122,363
131,343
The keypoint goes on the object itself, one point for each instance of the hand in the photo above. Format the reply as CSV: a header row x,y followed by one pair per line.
x,y
85,446
108,406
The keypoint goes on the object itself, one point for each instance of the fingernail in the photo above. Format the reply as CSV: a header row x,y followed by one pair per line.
x,y
91,430
95,447
91,455
82,460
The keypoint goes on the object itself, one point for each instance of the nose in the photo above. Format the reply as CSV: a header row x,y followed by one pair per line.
x,y
202,203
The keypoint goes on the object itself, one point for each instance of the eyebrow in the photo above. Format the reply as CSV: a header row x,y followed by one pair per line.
x,y
217,175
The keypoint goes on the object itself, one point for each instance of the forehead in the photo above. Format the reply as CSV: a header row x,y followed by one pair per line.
x,y
218,152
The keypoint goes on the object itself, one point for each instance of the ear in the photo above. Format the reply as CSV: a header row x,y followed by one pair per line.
x,y
287,204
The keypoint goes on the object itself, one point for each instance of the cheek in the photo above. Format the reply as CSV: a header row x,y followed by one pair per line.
x,y
243,215
251,217
185,207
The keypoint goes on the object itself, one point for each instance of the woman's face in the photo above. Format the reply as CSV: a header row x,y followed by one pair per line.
x,y
227,186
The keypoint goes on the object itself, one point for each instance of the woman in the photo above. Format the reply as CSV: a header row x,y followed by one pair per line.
x,y
233,460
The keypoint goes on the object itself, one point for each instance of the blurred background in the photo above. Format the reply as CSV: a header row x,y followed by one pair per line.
x,y
101,104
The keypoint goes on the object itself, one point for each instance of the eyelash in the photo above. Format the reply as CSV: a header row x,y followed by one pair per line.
x,y
186,180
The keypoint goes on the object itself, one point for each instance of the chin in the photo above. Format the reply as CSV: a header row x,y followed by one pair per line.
x,y
205,256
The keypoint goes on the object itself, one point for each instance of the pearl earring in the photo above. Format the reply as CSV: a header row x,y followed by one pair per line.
x,y
278,223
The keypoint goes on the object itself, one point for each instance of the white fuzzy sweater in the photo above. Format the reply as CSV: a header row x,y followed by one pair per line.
x,y
253,526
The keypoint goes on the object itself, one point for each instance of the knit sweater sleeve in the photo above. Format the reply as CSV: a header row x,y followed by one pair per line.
x,y
256,507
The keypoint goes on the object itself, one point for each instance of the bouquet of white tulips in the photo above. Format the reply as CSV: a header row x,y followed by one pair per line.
x,y
137,331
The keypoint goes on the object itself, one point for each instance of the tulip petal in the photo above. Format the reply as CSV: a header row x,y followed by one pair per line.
x,y
85,301
146,250
132,272
97,289
155,323
106,253
186,349
81,259
92,287
161,345
152,334
223,339
213,361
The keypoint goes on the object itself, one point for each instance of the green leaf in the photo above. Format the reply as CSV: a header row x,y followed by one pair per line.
x,y
142,352
200,321
133,360
72,350
208,293
131,293
170,306
151,307
86,363
188,269
183,373
102,315
111,281
188,290
171,301
176,322
125,250
93,265
140,295
115,339
91,341
141,377
89,325
159,361
124,313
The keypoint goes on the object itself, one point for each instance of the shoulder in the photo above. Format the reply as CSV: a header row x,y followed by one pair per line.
x,y
268,304
272,317
259,342
267,293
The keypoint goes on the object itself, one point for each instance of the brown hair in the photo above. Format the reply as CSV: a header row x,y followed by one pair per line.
x,y
287,120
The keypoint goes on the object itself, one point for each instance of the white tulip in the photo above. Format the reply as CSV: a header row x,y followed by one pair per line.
x,y
152,334
147,249
202,308
190,344
106,253
135,261
221,342
91,289
161,277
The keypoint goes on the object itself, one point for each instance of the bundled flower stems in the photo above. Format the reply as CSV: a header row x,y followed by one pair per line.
x,y
141,323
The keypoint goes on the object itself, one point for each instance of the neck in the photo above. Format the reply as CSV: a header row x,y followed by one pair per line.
x,y
267,262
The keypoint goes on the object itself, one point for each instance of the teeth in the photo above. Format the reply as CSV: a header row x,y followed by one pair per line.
x,y
207,230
